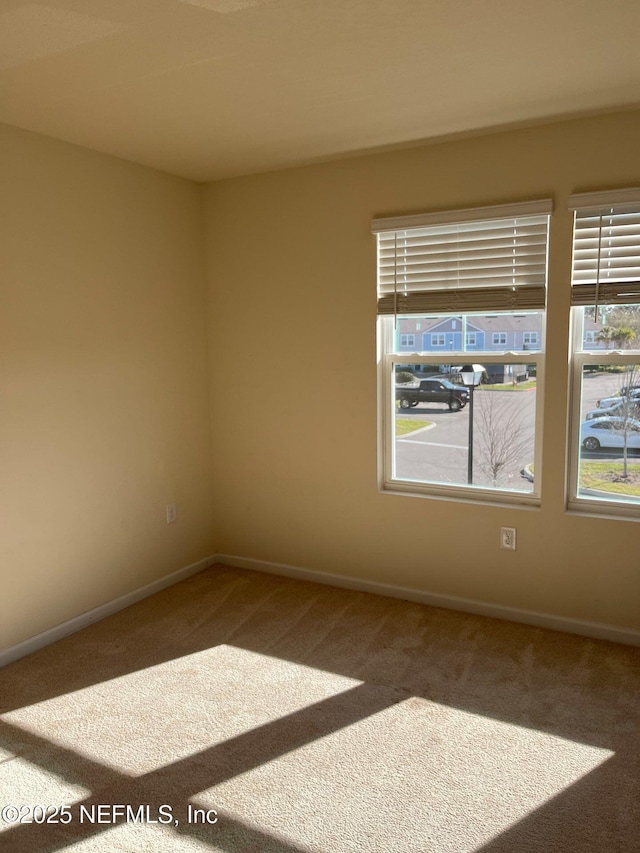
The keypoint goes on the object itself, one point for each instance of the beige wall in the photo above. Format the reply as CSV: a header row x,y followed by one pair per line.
x,y
294,389
104,408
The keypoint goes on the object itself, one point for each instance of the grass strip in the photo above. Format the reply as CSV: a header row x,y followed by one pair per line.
x,y
406,425
606,477
509,386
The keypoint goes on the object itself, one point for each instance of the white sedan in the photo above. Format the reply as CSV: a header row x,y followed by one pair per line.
x,y
610,432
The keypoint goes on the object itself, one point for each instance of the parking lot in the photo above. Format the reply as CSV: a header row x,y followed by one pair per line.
x,y
599,385
439,453
503,429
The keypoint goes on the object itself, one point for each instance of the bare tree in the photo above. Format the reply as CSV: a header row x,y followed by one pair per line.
x,y
504,436
626,421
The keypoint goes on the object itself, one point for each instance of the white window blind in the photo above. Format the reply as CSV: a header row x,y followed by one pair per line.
x,y
482,259
606,248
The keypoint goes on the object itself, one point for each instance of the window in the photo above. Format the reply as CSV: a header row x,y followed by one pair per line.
x,y
605,297
499,339
407,340
530,339
467,435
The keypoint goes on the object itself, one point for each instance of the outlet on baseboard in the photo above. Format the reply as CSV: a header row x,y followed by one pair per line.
x,y
508,538
172,512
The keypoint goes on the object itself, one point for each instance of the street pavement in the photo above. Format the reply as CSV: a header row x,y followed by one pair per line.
x,y
439,453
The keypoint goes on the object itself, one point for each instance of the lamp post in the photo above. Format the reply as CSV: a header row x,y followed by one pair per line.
x,y
471,375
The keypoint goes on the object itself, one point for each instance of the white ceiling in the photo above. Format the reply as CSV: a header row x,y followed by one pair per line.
x,y
213,88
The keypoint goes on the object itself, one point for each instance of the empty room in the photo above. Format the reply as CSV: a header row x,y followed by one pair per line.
x,y
319,426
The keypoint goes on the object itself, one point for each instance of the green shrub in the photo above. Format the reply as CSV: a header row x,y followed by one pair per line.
x,y
404,376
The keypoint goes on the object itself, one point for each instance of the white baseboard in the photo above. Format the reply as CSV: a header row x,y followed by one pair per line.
x,y
594,630
450,602
52,635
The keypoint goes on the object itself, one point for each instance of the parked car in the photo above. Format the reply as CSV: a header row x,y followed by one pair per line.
x,y
609,432
618,407
634,394
433,391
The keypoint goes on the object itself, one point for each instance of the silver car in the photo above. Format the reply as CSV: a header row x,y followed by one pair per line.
x,y
618,407
634,395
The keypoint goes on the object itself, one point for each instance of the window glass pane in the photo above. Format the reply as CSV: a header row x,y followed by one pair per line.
x,y
469,333
611,327
448,434
609,454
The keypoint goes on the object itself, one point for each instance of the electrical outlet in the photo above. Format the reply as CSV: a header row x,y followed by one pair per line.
x,y
508,538
172,512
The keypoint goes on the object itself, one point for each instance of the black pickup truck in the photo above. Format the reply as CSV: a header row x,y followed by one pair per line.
x,y
433,391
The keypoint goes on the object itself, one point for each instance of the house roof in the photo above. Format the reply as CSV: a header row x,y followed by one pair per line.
x,y
488,323
213,88
509,323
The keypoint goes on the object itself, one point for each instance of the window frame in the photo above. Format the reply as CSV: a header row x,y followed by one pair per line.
x,y
614,506
499,343
596,279
408,335
435,265
387,361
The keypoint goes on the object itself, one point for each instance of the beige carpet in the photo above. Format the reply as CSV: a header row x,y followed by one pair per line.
x,y
307,718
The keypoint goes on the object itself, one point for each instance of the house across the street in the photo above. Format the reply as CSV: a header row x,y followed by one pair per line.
x,y
483,333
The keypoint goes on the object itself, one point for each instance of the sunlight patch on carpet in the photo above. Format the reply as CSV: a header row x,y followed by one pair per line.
x,y
146,838
24,784
418,773
150,718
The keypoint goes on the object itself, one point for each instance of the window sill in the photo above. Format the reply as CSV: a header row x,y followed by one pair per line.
x,y
607,510
460,494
